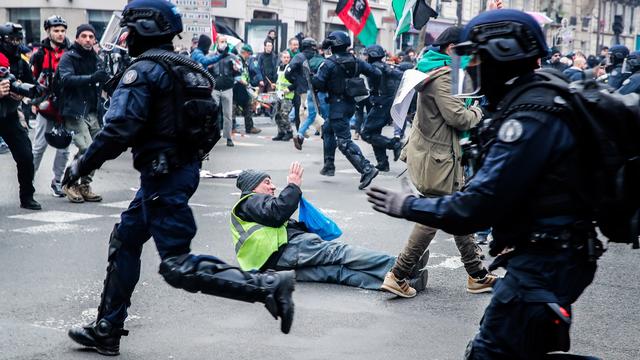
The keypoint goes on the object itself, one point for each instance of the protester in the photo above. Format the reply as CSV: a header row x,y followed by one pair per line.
x,y
285,102
80,77
298,73
268,65
201,55
250,76
265,237
577,71
225,72
554,61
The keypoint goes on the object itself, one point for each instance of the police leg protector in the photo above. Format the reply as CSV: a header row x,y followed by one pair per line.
x,y
211,276
352,152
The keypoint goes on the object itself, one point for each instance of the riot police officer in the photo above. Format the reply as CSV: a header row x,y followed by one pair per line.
x,y
525,190
632,83
339,76
617,54
383,92
166,137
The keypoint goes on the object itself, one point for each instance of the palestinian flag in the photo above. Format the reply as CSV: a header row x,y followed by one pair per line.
x,y
402,11
357,17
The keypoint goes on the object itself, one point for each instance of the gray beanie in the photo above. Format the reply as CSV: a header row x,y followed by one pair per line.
x,y
249,179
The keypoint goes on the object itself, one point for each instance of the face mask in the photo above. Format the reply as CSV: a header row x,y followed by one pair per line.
x,y
222,47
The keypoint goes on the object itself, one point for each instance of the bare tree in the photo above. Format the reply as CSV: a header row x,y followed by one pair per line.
x,y
314,17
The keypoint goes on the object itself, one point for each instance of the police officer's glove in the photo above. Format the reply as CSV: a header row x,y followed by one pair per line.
x,y
388,201
71,173
99,76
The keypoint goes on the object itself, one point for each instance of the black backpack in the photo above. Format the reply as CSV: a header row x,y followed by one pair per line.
x,y
606,126
353,85
197,113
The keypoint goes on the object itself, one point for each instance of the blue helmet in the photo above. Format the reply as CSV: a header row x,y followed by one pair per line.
x,y
339,39
375,51
505,35
633,61
152,17
618,53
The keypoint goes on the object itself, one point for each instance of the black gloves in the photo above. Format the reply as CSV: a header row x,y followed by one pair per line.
x,y
99,76
388,201
71,174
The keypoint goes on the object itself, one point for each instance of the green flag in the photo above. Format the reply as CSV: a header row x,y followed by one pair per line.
x,y
402,11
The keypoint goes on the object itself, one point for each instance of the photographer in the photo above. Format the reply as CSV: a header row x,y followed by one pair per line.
x,y
44,64
16,75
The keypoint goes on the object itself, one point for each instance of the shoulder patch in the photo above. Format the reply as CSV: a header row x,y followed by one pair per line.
x,y
510,131
129,77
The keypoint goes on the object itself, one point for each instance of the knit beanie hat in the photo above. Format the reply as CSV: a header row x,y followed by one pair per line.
x,y
204,43
85,27
249,180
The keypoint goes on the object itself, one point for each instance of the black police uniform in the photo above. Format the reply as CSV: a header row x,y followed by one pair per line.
x,y
617,77
631,84
382,94
15,135
330,78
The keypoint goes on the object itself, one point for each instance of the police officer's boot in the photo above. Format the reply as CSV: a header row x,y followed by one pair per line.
x,y
396,146
328,170
384,167
209,275
100,335
278,137
287,136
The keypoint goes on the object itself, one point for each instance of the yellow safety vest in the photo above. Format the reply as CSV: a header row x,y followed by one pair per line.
x,y
254,243
282,84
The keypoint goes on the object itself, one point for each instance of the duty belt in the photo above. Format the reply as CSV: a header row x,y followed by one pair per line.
x,y
165,161
584,241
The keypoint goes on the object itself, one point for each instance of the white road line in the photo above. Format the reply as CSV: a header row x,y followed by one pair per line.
x,y
452,262
55,216
198,205
118,204
246,144
53,228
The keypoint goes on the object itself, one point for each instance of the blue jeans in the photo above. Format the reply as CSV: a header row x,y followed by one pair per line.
x,y
311,108
317,260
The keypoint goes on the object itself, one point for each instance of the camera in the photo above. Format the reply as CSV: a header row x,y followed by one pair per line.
x,y
19,88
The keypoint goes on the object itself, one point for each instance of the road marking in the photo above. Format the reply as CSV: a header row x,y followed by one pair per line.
x,y
118,204
246,144
348,171
198,205
452,262
217,213
55,216
52,228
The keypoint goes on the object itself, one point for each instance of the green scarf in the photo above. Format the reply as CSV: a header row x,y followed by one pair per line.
x,y
435,59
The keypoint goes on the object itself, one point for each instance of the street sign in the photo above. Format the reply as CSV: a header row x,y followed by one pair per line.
x,y
196,17
218,3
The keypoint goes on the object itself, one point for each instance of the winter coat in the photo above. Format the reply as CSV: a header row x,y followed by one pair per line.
x,y
80,94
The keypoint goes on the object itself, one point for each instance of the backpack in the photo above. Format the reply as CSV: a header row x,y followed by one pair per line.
x,y
354,85
606,126
197,112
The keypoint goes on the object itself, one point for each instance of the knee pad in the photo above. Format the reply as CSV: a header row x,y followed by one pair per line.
x,y
114,243
343,144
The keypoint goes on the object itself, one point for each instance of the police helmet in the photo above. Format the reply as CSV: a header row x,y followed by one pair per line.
x,y
505,35
618,53
308,43
58,137
633,61
152,18
339,39
54,21
374,51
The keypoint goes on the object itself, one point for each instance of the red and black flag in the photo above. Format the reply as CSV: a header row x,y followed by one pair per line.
x,y
358,17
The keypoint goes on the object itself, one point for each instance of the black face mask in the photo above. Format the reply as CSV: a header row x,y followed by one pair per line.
x,y
494,76
9,49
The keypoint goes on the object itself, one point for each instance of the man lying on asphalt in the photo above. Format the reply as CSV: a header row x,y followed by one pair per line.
x,y
265,237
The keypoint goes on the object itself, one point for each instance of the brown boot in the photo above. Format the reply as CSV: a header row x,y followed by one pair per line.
x,y
87,194
73,193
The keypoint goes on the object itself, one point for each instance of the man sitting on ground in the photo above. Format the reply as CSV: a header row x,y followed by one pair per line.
x,y
265,237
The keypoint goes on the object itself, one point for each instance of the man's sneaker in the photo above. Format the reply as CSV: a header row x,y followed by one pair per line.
x,y
477,286
56,189
398,287
87,194
297,142
101,336
253,130
367,178
230,143
327,171
73,193
30,204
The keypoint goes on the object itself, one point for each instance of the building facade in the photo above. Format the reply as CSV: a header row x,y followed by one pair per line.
x,y
32,13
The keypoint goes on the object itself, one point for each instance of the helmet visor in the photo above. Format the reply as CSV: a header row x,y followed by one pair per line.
x,y
114,34
465,76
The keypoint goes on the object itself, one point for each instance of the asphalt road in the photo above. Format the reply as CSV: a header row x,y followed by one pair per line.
x,y
52,264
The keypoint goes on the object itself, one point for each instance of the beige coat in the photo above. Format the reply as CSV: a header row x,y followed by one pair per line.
x,y
433,151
